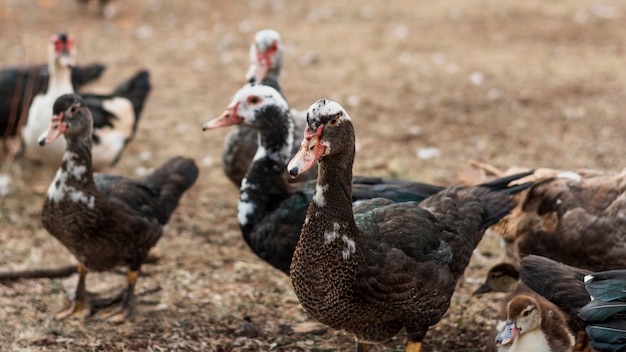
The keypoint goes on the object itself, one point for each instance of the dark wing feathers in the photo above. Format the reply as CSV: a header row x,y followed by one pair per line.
x,y
157,196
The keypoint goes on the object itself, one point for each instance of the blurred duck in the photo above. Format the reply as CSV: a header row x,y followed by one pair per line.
x,y
19,85
596,301
115,115
240,145
502,277
574,217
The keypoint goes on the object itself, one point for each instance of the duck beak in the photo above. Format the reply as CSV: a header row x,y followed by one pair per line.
x,y
55,130
260,64
228,118
310,151
507,335
67,60
484,288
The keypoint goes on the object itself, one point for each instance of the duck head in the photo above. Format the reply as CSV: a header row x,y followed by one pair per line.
x,y
502,277
254,105
326,121
70,117
266,55
62,50
523,315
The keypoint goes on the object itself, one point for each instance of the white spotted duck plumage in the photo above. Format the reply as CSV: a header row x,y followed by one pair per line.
x,y
381,267
271,210
595,301
108,220
240,145
115,115
534,324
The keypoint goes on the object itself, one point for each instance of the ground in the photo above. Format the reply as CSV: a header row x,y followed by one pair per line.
x,y
429,85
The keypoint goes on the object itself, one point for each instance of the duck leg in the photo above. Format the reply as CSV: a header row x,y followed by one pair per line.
x,y
80,304
122,311
361,346
413,346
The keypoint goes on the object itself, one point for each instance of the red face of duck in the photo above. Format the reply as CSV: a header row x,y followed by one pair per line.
x,y
228,118
310,151
64,49
507,335
264,60
55,130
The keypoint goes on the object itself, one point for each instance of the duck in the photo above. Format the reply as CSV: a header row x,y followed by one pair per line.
x,y
596,301
502,277
271,210
105,220
115,115
380,267
572,216
534,324
240,144
18,86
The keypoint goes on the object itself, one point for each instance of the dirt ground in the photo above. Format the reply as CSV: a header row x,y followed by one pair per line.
x,y
429,85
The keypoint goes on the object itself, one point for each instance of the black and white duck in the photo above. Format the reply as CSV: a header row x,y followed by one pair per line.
x,y
106,220
271,210
379,267
19,85
115,115
240,144
596,301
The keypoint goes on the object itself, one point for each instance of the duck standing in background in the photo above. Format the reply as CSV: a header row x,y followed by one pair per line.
x,y
575,217
272,210
115,115
107,220
240,145
19,85
596,301
379,267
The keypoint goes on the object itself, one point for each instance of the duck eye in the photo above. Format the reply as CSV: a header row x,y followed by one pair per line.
x,y
333,122
526,313
73,109
254,100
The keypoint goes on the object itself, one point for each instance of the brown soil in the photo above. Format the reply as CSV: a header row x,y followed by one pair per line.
x,y
531,83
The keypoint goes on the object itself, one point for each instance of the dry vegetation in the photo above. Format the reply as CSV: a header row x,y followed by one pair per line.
x,y
533,83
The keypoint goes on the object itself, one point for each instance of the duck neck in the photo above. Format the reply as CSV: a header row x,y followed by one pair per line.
x,y
60,79
74,179
330,221
265,185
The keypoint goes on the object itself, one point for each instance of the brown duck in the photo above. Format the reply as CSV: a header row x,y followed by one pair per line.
x,y
107,220
380,267
574,217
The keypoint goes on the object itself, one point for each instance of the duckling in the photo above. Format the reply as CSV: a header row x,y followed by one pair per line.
x,y
502,277
534,324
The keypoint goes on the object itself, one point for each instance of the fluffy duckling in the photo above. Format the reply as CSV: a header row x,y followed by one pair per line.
x,y
534,324
502,277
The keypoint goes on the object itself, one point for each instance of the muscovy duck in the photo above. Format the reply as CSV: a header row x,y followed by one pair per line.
x,y
19,85
379,267
271,210
575,217
597,301
240,145
115,115
107,220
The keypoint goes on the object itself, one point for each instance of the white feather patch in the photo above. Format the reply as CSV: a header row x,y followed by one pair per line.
x,y
244,207
350,247
59,189
318,197
330,236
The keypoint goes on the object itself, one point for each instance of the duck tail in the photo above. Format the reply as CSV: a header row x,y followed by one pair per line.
x,y
82,75
135,89
173,178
